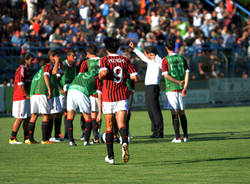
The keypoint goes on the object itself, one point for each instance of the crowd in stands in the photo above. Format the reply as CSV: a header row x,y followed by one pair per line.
x,y
59,24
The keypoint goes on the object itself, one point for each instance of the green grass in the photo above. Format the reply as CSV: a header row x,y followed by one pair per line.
x,y
219,152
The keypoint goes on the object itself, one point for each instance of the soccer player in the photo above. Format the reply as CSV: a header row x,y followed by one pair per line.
x,y
21,99
92,65
68,72
78,95
114,71
176,73
54,101
40,93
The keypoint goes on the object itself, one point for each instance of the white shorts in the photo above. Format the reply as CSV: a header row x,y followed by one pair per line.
x,y
113,107
76,99
39,104
21,109
94,104
63,100
55,105
174,100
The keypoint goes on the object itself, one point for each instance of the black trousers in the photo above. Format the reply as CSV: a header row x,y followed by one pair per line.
x,y
154,109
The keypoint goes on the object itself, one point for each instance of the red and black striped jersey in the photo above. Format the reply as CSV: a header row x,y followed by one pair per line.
x,y
22,78
119,70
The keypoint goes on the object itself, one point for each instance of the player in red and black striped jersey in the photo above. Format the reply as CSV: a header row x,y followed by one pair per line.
x,y
21,99
114,71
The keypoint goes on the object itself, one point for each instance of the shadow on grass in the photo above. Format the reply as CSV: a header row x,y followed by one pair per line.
x,y
172,162
210,136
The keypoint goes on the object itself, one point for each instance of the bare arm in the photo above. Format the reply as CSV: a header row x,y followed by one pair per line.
x,y
136,78
138,53
55,68
99,114
184,91
103,74
46,79
25,92
168,77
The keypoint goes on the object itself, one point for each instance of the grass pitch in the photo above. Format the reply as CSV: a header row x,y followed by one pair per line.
x,y
218,152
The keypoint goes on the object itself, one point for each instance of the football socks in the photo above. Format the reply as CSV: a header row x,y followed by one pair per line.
x,y
45,131
176,125
88,128
95,128
124,135
58,122
184,124
69,123
109,144
31,131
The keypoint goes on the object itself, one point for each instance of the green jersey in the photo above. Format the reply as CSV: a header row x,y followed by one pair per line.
x,y
175,66
93,68
85,83
54,83
68,74
38,85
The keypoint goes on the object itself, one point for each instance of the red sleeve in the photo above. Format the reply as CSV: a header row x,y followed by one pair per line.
x,y
84,67
47,68
21,76
98,83
164,65
103,63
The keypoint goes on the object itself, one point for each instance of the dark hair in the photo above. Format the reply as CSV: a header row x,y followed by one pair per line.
x,y
51,53
92,49
111,44
170,44
150,49
28,56
70,52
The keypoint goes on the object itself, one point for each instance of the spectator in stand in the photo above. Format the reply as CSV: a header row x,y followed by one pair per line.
x,y
56,39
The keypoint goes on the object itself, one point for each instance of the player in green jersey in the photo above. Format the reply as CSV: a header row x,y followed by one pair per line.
x,y
91,64
78,95
40,93
176,73
67,72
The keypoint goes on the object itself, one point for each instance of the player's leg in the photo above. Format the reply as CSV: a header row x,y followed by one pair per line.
x,y
184,124
183,117
109,135
88,127
95,127
26,129
69,123
31,127
176,125
15,129
46,128
58,122
82,123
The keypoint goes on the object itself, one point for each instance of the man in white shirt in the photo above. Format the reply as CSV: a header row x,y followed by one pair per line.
x,y
152,81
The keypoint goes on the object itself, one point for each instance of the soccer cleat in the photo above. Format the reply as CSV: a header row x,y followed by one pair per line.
x,y
83,136
125,153
32,142
87,143
26,141
14,141
185,139
53,139
176,140
72,143
95,141
109,160
61,137
47,142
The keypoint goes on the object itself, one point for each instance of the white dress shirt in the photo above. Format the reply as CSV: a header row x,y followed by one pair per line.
x,y
153,73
